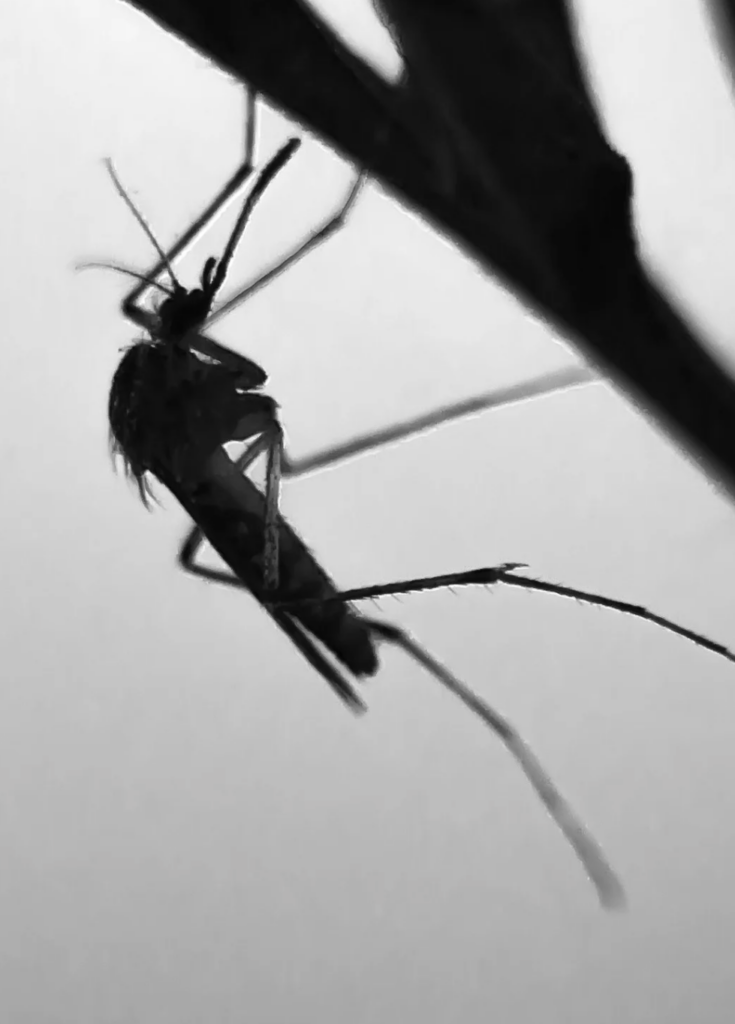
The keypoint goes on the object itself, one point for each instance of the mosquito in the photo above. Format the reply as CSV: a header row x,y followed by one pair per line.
x,y
177,397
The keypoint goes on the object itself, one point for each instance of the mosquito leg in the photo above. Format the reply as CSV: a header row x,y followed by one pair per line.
x,y
214,277
506,574
290,626
272,503
251,114
270,441
187,561
602,876
251,453
298,636
557,381
131,303
251,375
314,239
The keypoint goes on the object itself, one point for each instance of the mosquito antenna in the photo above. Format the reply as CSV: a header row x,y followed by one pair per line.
x,y
128,273
600,873
120,189
262,182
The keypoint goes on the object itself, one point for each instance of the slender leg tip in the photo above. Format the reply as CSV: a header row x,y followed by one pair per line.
x,y
613,898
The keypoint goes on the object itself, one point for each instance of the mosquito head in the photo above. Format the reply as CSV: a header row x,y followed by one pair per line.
x,y
183,311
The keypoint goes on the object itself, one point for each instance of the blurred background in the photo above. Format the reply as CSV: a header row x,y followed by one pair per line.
x,y
191,825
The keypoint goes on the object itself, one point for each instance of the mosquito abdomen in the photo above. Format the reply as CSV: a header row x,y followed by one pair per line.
x,y
232,520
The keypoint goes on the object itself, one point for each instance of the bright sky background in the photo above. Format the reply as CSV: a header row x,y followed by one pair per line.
x,y
192,827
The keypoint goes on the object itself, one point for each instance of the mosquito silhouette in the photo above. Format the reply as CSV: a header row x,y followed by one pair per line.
x,y
177,397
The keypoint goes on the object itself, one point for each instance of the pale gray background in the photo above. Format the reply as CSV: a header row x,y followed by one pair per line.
x,y
192,828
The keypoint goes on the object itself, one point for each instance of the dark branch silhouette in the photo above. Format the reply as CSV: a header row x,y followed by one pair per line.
x,y
494,137
722,15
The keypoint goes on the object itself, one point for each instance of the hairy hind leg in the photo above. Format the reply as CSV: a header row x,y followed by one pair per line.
x,y
600,873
